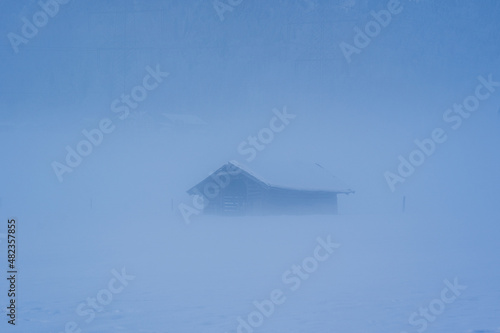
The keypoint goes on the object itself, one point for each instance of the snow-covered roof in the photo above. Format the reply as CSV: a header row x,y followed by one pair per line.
x,y
296,176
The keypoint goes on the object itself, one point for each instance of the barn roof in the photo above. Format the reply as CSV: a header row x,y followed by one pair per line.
x,y
296,176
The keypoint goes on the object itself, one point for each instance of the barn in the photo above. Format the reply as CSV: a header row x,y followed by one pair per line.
x,y
235,190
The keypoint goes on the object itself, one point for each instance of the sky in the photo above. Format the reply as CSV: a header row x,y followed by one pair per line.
x,y
355,113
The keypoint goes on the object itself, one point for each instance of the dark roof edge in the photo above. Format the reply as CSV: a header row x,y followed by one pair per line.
x,y
348,191
224,168
249,174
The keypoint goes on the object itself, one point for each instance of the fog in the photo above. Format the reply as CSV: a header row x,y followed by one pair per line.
x,y
207,76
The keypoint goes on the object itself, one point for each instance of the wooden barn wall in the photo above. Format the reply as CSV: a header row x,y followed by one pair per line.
x,y
241,196
300,202
245,196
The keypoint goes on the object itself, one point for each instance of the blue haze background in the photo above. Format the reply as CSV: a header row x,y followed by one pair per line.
x,y
355,118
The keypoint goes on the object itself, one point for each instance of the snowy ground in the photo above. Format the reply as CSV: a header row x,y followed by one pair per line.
x,y
201,277
114,213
